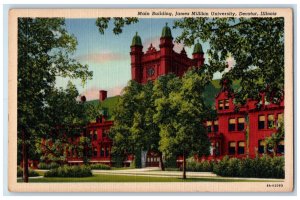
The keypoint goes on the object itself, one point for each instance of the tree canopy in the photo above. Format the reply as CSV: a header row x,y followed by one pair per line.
x,y
255,44
45,51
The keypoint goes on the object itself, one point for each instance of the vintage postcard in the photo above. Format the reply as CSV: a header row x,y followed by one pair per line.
x,y
151,100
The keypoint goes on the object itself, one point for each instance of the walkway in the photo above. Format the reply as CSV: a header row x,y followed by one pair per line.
x,y
156,172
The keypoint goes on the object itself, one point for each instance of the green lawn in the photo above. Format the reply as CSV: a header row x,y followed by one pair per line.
x,y
124,178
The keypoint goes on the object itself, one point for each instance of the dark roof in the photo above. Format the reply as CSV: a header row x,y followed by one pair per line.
x,y
211,91
136,40
166,32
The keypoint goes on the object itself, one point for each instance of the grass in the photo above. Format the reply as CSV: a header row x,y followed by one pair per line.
x,y
124,178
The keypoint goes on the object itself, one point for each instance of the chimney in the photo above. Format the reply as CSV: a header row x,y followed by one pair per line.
x,y
102,95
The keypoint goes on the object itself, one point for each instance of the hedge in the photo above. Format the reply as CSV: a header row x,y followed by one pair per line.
x,y
100,166
51,165
259,167
70,171
195,166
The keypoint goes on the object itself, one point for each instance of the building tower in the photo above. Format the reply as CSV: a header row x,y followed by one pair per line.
x,y
198,54
136,55
166,50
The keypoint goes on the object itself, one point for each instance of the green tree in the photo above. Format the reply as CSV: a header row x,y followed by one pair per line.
x,y
123,144
181,115
256,44
119,23
273,140
144,131
66,119
45,51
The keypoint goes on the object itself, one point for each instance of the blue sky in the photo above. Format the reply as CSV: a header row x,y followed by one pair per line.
x,y
108,55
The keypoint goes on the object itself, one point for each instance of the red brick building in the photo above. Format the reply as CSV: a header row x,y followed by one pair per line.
x,y
227,132
154,63
229,135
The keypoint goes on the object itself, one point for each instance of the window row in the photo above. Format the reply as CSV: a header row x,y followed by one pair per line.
x,y
223,104
236,124
240,148
264,148
152,159
104,152
94,135
212,126
270,120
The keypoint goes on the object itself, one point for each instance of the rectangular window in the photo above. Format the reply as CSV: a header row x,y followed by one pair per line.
x,y
270,121
261,122
231,125
226,104
261,146
221,104
279,119
231,148
95,135
95,152
102,152
241,124
241,148
90,136
216,126
105,133
280,147
208,126
107,152
217,149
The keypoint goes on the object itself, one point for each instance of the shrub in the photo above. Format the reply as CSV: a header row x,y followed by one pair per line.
x,y
51,165
100,166
259,167
31,172
195,166
70,171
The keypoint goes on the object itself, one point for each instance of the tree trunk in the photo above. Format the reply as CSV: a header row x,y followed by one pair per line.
x,y
162,166
184,167
25,158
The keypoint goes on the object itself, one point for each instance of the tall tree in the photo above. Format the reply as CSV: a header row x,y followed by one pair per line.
x,y
182,114
123,144
45,51
144,131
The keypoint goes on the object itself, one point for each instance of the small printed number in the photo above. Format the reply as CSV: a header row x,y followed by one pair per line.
x,y
275,185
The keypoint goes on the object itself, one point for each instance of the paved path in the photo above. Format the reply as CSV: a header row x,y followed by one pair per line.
x,y
155,172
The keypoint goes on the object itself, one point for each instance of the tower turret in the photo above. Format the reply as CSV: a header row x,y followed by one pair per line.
x,y
166,50
136,55
198,54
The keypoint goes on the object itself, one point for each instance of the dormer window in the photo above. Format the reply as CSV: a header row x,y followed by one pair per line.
x,y
226,104
221,104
